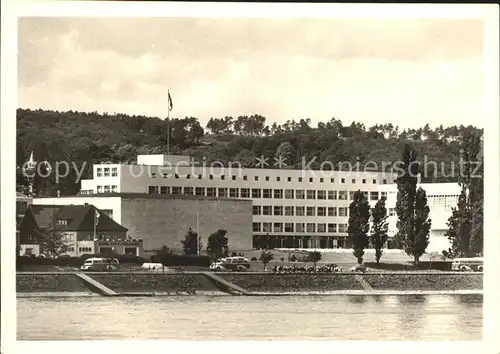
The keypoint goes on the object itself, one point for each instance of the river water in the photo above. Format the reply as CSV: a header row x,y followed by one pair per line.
x,y
358,317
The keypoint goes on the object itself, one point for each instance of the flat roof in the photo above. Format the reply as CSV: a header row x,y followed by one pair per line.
x,y
147,196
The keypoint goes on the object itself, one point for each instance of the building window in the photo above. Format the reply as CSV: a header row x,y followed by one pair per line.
x,y
289,179
107,172
299,211
200,191
200,176
289,210
267,210
383,194
392,212
99,189
310,211
384,181
256,226
245,193
153,175
233,192
222,177
164,190
114,172
321,211
278,227
256,209
114,189
234,178
343,228
278,210
210,192
176,176
278,178
342,180
351,195
300,179
299,227
342,211
332,227
311,194
107,189
321,227
353,181
222,192
99,172
211,177
256,178
266,227
373,195
311,180
255,193
289,227
374,181
188,190
278,193
332,211
131,251
311,227
188,176
176,190
288,193
342,195
321,180
108,212
165,175
363,181
299,194
322,194
245,178
62,222
332,195
153,189
266,193
332,180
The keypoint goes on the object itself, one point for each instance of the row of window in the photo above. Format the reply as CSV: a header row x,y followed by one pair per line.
x,y
299,227
107,189
107,172
262,193
113,172
279,210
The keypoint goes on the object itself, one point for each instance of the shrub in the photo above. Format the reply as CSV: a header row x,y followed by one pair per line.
x,y
181,260
293,258
254,259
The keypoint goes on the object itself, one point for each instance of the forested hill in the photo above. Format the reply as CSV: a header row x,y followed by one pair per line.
x,y
93,138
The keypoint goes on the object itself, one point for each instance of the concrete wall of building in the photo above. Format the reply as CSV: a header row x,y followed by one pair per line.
x,y
165,221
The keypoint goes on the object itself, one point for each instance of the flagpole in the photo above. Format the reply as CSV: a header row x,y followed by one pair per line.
x,y
168,124
94,226
197,235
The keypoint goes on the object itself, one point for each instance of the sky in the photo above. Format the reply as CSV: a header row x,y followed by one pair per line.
x,y
404,72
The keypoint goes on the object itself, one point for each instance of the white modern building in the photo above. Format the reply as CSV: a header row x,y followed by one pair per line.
x,y
291,208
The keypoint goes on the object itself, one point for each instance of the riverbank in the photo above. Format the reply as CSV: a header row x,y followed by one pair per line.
x,y
199,283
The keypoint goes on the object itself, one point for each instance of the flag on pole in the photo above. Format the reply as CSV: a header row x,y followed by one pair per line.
x,y
170,105
97,215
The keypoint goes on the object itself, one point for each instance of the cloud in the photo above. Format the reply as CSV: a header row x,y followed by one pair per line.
x,y
404,72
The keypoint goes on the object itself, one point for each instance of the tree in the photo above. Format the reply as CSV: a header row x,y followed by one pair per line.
x,y
161,255
314,257
465,225
266,257
51,239
191,243
379,228
359,215
217,245
411,207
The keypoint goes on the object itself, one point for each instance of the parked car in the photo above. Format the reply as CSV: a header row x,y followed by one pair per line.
x,y
100,264
359,268
238,264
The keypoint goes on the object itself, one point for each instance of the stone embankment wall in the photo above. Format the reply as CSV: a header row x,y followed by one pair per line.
x,y
259,282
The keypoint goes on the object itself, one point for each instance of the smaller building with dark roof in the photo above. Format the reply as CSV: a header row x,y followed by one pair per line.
x,y
83,228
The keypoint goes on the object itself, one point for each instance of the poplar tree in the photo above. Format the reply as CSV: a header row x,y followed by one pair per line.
x,y
380,227
411,208
359,215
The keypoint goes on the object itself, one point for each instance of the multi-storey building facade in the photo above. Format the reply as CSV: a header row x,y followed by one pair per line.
x,y
291,208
